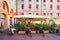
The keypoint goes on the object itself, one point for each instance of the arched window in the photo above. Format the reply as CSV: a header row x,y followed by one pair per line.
x,y
51,0
37,6
3,5
57,0
51,20
37,13
29,13
44,14
2,20
44,7
29,0
51,14
58,14
44,0
29,6
22,0
57,7
51,7
22,13
37,0
22,6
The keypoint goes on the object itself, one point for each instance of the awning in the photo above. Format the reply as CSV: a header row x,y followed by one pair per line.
x,y
30,16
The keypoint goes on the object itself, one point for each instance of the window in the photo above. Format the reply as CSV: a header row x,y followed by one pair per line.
x,y
51,14
22,6
22,0
58,14
57,0
51,7
30,13
44,0
37,13
2,20
57,7
44,14
37,6
29,0
3,5
37,0
44,7
29,6
51,0
22,13
51,20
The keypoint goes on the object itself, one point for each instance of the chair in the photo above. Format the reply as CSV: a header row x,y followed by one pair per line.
x,y
12,29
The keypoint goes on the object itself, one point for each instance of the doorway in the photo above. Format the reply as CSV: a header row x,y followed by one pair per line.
x,y
2,21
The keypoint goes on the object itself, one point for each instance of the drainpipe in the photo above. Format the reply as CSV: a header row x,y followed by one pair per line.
x,y
0,19
13,21
0,11
8,20
16,8
41,11
41,7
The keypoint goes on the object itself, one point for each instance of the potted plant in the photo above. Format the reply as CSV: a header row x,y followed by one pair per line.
x,y
45,28
37,27
21,28
52,27
33,31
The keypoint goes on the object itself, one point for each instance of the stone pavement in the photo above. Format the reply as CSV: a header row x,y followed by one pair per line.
x,y
5,36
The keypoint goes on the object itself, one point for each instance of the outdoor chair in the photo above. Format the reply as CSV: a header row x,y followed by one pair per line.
x,y
12,29
1,30
37,31
28,31
41,31
57,31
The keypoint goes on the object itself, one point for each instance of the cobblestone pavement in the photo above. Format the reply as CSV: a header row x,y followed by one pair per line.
x,y
5,36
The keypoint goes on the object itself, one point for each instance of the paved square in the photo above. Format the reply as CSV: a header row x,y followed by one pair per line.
x,y
5,36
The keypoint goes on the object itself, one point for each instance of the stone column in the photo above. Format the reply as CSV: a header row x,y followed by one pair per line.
x,y
47,20
1,6
8,21
0,20
13,21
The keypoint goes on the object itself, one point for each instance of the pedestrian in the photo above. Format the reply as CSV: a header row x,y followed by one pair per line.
x,y
41,30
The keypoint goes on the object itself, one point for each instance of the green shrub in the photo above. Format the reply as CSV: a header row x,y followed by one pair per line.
x,y
52,26
37,27
33,28
45,26
21,27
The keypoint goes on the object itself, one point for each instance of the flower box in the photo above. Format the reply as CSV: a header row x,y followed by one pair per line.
x,y
33,32
21,32
46,31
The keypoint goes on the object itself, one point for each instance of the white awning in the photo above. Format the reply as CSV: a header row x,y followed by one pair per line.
x,y
30,16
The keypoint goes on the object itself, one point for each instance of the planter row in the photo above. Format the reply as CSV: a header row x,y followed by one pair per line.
x,y
33,32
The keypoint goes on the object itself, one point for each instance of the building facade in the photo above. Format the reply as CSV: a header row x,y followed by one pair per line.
x,y
7,11
40,7
8,8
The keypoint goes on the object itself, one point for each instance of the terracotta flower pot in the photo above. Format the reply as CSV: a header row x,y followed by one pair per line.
x,y
33,32
21,32
46,31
